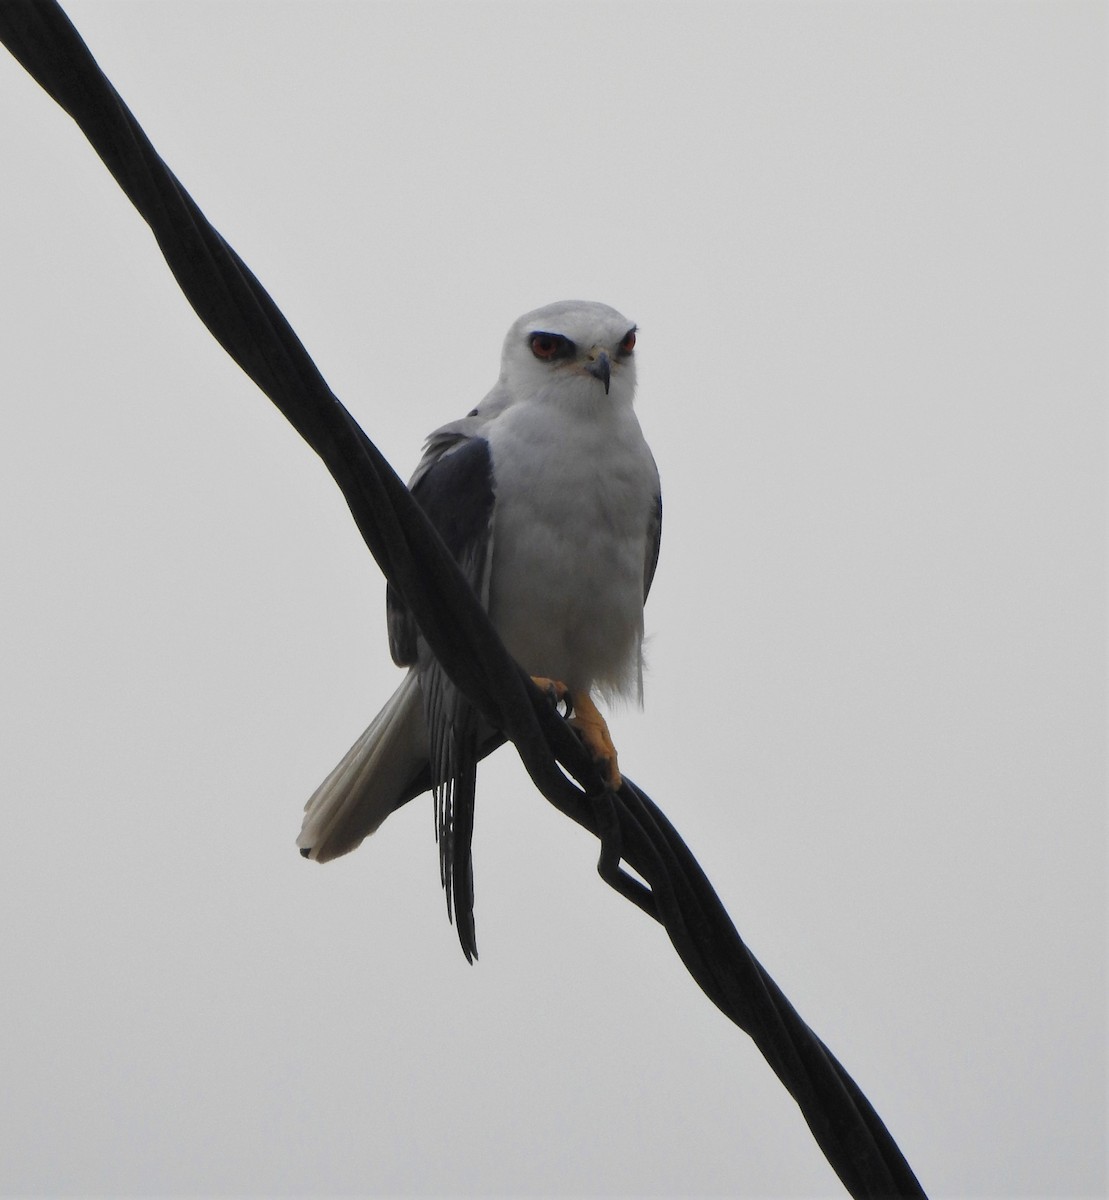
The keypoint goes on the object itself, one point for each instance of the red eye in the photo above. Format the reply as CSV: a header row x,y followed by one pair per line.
x,y
548,346
628,344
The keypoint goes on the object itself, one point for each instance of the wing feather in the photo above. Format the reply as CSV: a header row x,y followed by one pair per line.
x,y
654,544
454,486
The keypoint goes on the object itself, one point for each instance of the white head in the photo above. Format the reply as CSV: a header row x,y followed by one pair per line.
x,y
575,350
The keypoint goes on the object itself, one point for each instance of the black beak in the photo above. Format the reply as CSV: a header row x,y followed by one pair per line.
x,y
601,369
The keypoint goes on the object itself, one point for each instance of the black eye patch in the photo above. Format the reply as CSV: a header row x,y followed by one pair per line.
x,y
551,346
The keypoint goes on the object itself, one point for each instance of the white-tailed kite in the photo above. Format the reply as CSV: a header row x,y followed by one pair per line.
x,y
548,497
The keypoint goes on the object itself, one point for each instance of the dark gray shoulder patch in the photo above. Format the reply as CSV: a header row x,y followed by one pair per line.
x,y
654,544
456,492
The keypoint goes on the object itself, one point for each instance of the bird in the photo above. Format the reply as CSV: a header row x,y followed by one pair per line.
x,y
548,497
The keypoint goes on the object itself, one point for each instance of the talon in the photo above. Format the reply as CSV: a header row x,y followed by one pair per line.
x,y
593,731
557,692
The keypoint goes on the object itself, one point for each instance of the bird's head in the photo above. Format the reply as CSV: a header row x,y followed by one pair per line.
x,y
574,350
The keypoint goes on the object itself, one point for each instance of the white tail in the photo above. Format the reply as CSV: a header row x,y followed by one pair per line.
x,y
365,787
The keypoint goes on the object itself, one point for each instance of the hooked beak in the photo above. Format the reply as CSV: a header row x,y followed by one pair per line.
x,y
600,368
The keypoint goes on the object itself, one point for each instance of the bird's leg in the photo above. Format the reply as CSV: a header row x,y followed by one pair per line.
x,y
590,726
593,731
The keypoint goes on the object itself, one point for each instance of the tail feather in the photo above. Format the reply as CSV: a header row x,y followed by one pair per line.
x,y
371,779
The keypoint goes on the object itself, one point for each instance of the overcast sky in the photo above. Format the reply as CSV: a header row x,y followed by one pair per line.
x,y
865,247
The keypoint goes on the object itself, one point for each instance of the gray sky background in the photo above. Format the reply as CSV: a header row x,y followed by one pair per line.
x,y
865,246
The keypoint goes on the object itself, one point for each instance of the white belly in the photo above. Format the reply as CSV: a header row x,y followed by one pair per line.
x,y
574,503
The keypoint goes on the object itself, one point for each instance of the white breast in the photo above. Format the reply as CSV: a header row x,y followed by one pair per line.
x,y
575,492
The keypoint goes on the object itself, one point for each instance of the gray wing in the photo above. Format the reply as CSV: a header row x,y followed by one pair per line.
x,y
654,539
654,544
454,486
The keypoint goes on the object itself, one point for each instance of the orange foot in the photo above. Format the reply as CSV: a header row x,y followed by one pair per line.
x,y
590,726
